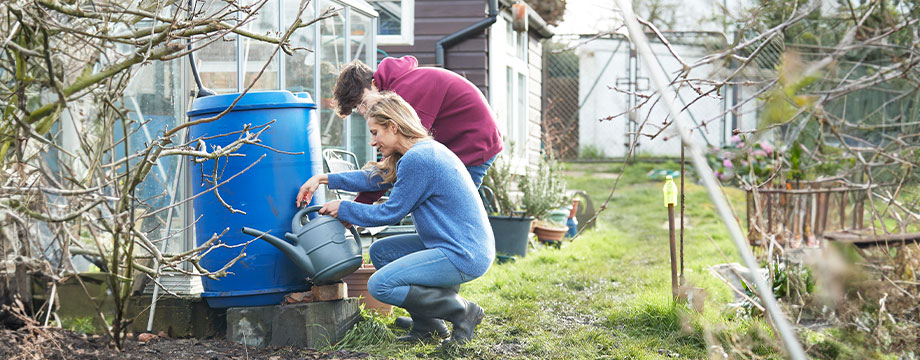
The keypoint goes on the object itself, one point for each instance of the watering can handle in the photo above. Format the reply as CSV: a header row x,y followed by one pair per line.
x,y
297,222
354,231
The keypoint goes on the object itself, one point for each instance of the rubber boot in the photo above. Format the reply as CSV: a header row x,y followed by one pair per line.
x,y
424,328
445,304
405,322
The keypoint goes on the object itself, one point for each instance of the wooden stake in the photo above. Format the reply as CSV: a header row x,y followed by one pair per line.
x,y
682,161
673,252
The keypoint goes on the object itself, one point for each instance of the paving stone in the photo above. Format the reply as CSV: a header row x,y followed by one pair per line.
x,y
178,317
314,325
251,325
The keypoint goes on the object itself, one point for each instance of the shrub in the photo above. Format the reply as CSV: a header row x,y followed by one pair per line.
x,y
544,189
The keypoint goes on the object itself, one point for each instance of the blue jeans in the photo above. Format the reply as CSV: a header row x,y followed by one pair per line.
x,y
479,171
403,260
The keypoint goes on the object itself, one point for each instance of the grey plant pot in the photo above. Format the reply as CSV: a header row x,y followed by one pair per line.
x,y
511,234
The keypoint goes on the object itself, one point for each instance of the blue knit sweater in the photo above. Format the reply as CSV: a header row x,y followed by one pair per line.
x,y
436,188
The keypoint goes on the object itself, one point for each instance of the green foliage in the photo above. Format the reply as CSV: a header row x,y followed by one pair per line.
x,y
82,324
789,279
499,179
738,160
544,189
786,99
591,152
372,330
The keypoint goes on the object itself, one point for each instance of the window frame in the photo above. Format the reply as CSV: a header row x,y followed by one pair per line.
x,y
406,25
504,95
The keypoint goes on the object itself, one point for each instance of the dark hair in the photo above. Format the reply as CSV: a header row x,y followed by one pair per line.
x,y
349,88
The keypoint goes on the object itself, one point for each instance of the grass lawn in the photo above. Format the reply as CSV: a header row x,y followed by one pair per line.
x,y
607,294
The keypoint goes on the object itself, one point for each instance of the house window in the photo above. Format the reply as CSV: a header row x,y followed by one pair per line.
x,y
508,49
396,23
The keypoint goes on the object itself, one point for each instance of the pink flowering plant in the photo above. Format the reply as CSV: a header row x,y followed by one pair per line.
x,y
738,160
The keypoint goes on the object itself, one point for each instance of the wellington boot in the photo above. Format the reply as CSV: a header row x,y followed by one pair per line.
x,y
405,322
425,328
445,304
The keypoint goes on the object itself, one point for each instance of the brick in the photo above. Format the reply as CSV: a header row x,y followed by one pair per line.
x,y
298,297
332,292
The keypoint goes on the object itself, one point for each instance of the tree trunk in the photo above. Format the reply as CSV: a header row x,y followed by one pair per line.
x,y
15,289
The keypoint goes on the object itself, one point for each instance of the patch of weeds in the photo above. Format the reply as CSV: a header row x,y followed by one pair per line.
x,y
83,324
828,345
371,331
547,259
662,321
591,152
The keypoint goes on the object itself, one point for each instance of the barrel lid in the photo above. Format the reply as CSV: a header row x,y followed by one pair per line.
x,y
253,100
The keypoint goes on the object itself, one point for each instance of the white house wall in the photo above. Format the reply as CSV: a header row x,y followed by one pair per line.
x,y
609,136
534,100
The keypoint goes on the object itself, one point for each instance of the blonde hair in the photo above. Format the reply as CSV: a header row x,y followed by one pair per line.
x,y
389,108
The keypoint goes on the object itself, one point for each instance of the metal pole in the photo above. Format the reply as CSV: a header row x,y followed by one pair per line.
x,y
781,324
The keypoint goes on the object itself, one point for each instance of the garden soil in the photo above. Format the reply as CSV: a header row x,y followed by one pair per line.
x,y
32,342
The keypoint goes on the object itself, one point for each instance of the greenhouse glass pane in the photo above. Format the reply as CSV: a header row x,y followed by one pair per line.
x,y
217,64
153,100
332,57
298,68
255,54
361,42
216,56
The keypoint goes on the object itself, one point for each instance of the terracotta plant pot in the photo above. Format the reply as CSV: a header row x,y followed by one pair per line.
x,y
548,233
357,287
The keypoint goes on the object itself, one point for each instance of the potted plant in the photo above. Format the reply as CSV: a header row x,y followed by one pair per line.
x,y
543,194
510,227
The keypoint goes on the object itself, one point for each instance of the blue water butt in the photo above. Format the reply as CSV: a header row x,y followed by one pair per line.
x,y
266,192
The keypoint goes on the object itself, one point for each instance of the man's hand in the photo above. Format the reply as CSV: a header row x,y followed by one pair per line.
x,y
331,208
309,188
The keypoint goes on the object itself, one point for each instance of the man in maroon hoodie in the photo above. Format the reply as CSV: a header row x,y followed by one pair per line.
x,y
450,107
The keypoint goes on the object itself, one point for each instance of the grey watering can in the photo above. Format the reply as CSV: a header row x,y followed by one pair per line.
x,y
320,246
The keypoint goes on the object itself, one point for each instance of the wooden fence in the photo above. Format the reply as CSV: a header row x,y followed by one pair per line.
x,y
804,212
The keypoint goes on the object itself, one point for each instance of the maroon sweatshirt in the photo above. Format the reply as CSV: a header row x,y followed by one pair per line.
x,y
453,109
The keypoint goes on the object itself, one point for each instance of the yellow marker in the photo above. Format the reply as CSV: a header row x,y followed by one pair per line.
x,y
670,192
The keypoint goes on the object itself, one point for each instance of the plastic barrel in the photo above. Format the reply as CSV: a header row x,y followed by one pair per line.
x,y
266,192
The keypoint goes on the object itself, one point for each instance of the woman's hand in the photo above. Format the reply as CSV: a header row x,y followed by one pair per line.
x,y
309,188
331,208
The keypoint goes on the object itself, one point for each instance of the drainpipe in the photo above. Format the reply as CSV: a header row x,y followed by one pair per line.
x,y
466,33
202,91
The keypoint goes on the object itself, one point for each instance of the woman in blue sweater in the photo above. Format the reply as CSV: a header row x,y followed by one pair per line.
x,y
454,243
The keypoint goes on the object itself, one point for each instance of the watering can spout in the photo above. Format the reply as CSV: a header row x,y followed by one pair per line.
x,y
295,253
